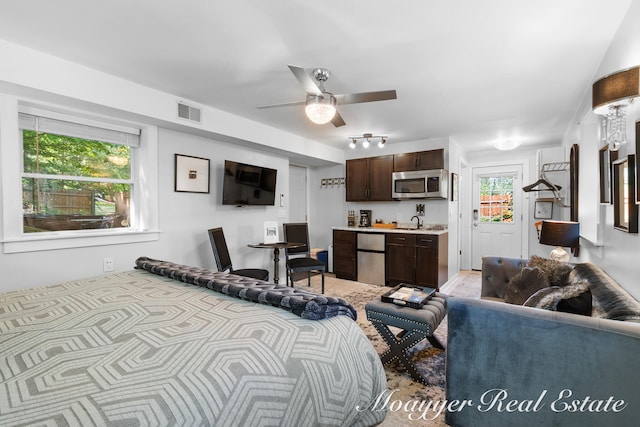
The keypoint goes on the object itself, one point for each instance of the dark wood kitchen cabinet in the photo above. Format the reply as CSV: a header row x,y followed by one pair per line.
x,y
421,160
400,260
432,260
345,257
369,179
417,259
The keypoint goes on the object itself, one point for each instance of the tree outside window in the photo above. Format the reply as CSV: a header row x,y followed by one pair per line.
x,y
71,183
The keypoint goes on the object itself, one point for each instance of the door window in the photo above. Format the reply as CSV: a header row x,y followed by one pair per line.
x,y
496,199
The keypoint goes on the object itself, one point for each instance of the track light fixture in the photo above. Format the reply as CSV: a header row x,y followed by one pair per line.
x,y
367,138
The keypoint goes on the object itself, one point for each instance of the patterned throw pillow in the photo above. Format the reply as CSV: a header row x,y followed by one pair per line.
x,y
527,282
557,272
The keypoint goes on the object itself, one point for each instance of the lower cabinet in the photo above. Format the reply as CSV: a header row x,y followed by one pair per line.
x,y
412,258
400,258
417,259
345,256
432,260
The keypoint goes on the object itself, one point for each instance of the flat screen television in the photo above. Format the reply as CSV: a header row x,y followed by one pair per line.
x,y
245,184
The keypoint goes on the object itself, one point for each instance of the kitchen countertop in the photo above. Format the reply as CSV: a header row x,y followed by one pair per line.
x,y
423,230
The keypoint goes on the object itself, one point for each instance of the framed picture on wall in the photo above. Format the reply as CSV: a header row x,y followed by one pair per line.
x,y
191,174
543,209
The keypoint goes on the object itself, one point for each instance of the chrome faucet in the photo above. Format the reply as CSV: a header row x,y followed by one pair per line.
x,y
418,218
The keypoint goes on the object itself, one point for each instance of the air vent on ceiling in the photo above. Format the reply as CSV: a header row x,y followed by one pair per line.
x,y
188,112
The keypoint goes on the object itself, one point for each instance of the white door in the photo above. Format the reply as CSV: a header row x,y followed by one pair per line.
x,y
298,194
497,213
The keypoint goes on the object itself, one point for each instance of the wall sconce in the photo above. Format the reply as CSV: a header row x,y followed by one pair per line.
x,y
367,139
610,97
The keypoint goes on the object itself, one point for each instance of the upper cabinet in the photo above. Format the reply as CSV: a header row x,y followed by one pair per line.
x,y
422,160
369,179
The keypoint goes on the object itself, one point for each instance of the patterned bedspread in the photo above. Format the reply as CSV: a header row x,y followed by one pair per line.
x,y
136,348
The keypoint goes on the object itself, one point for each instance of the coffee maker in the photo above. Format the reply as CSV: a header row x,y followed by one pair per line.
x,y
365,218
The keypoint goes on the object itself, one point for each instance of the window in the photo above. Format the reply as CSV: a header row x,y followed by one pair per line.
x,y
71,180
496,199
75,176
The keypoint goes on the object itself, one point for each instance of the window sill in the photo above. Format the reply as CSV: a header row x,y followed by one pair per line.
x,y
52,241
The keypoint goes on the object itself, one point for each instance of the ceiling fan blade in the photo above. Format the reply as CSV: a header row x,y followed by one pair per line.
x,y
307,82
284,104
356,98
337,120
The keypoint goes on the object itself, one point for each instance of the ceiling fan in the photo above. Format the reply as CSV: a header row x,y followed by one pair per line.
x,y
320,105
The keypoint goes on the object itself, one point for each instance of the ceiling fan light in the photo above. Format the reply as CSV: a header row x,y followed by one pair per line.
x,y
320,110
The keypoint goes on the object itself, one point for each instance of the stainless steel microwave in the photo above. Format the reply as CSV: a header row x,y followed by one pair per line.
x,y
427,184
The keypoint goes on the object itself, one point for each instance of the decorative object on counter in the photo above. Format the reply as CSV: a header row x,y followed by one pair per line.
x,y
191,174
351,218
367,139
384,225
560,234
611,95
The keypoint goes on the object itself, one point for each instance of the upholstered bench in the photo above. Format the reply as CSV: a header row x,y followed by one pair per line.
x,y
415,325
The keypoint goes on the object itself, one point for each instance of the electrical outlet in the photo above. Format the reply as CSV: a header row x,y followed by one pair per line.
x,y
107,264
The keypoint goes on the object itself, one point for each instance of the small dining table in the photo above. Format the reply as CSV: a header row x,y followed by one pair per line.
x,y
276,253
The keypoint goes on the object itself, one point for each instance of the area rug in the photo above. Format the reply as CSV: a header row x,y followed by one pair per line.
x,y
430,361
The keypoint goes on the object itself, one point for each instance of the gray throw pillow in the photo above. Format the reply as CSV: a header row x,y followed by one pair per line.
x,y
524,284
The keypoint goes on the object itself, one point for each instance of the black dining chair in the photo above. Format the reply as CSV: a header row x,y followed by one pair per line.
x,y
299,259
223,259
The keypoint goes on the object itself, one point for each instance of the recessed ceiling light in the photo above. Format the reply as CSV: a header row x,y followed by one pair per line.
x,y
506,144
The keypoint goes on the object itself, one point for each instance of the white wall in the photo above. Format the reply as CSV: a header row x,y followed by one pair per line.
x,y
183,219
617,252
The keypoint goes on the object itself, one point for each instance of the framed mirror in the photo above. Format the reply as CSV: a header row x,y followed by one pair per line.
x,y
636,165
606,158
574,157
625,210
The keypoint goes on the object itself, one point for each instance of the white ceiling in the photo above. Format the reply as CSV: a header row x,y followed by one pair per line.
x,y
476,71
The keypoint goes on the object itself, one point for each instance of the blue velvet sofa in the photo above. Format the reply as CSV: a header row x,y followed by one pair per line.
x,y
513,365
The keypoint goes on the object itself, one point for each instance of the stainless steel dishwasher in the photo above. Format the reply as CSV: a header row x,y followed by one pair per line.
x,y
371,258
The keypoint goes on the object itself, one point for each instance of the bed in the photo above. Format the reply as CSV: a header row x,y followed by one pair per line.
x,y
142,348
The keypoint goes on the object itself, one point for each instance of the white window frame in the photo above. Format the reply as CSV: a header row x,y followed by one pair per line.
x,y
144,202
